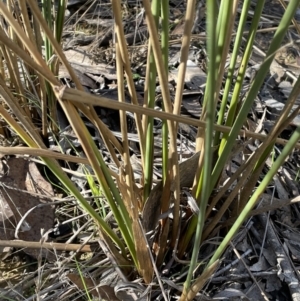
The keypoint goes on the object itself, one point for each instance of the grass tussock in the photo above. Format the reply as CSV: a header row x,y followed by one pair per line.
x,y
145,224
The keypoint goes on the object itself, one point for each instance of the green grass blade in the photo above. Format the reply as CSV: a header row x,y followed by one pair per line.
x,y
151,99
203,193
236,49
259,79
261,188
165,57
241,75
60,17
83,280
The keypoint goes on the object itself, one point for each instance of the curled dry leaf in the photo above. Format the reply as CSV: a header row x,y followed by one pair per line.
x,y
151,211
20,186
105,292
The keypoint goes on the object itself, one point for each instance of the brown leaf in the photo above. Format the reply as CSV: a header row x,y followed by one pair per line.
x,y
194,76
84,64
20,182
151,211
106,292
145,265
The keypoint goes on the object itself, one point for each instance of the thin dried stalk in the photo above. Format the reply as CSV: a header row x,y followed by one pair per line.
x,y
124,54
83,97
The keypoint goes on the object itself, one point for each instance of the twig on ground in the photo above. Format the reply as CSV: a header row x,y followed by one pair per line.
x,y
45,245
